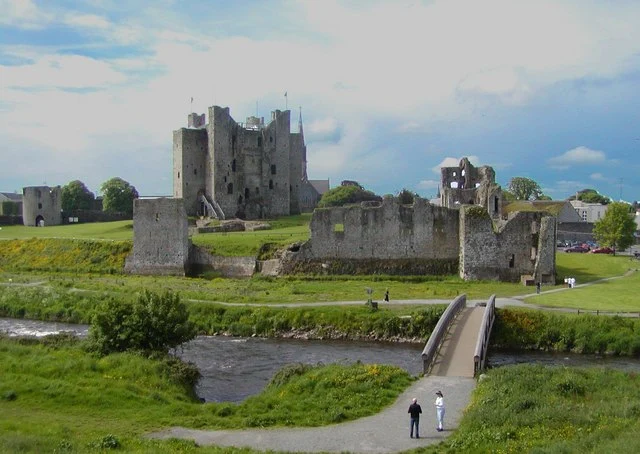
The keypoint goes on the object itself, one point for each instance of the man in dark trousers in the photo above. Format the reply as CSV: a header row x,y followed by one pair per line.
x,y
414,411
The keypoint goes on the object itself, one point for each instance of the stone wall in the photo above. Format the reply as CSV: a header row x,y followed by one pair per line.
x,y
575,231
508,250
41,204
189,166
388,237
202,261
93,216
160,238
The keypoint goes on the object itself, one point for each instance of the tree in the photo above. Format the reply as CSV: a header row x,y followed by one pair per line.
x,y
407,197
344,195
592,196
524,188
118,195
616,228
152,323
76,196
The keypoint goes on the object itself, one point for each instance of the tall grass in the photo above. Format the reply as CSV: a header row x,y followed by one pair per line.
x,y
585,333
530,408
64,255
59,396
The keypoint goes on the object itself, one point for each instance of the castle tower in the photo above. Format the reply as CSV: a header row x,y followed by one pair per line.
x,y
41,205
251,171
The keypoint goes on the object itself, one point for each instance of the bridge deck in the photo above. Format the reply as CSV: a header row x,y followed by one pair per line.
x,y
455,358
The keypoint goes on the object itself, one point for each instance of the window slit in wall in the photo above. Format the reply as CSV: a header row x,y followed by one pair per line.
x,y
512,261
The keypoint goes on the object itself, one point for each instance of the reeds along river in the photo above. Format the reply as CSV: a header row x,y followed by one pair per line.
x,y
235,368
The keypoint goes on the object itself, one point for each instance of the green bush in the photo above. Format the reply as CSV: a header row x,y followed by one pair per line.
x,y
578,333
152,323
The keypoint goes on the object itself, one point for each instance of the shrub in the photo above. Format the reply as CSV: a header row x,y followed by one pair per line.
x,y
152,323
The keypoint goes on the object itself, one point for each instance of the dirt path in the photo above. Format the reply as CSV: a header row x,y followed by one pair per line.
x,y
385,432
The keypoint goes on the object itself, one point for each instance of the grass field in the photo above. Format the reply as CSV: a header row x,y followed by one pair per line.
x,y
65,263
62,399
118,230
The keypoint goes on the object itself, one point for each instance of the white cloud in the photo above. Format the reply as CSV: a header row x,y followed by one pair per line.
x,y
599,177
408,63
428,184
56,71
23,14
323,127
90,21
504,83
455,162
577,156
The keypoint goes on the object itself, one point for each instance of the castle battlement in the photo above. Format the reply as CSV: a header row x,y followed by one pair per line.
x,y
252,170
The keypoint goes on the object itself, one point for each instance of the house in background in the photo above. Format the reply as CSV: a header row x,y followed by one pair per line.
x,y
589,212
569,225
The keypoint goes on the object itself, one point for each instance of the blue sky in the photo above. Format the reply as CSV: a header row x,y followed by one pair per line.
x,y
390,91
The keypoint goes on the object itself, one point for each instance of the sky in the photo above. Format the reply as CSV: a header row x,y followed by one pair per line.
x,y
389,91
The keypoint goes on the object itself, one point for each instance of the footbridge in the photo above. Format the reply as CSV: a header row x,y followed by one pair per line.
x,y
458,345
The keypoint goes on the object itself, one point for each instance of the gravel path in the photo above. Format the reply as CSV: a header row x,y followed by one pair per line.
x,y
385,432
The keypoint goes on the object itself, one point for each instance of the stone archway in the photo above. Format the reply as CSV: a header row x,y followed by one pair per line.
x,y
39,221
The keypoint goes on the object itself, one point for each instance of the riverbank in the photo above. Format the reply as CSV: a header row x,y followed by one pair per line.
x,y
58,398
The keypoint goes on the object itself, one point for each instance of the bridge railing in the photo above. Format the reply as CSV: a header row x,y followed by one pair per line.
x,y
439,332
482,345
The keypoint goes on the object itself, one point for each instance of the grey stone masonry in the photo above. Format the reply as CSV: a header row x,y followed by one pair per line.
x,y
160,238
252,170
41,206
385,231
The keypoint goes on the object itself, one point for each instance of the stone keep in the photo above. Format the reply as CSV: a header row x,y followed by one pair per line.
x,y
41,206
469,185
160,238
227,169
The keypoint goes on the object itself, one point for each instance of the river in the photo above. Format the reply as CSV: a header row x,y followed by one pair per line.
x,y
235,368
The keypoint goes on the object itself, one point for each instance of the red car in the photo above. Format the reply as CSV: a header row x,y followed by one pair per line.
x,y
602,250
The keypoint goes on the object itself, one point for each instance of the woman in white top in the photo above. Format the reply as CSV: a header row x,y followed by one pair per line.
x,y
440,410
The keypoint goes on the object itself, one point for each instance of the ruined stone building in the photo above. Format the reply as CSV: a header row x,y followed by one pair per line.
x,y
41,205
468,185
225,169
467,234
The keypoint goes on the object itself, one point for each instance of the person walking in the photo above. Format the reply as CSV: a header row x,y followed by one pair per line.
x,y
440,410
414,411
386,296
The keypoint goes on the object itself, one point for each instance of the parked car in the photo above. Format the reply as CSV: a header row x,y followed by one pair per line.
x,y
602,250
576,249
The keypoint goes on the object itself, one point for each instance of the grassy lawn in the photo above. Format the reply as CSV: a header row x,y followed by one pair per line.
x,y
117,230
62,399
66,262
611,295
532,408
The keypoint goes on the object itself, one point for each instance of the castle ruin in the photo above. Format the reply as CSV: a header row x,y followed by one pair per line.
x,y
41,205
467,234
226,169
